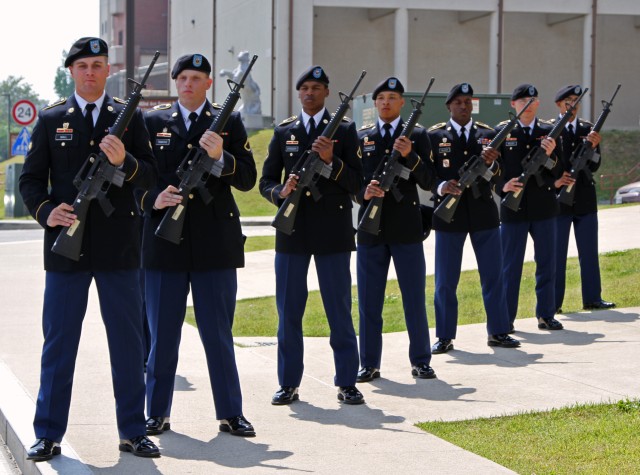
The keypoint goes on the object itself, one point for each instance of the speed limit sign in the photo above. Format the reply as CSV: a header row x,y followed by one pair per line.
x,y
24,112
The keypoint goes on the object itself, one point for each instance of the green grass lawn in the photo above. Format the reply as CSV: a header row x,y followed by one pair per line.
x,y
589,439
620,277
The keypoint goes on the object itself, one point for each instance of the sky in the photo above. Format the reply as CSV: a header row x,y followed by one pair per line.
x,y
33,34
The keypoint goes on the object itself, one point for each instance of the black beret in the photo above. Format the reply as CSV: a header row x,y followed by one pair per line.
x,y
392,84
459,90
524,90
567,91
197,62
86,47
314,73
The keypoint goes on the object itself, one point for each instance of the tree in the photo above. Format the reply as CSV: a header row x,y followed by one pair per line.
x,y
63,82
15,88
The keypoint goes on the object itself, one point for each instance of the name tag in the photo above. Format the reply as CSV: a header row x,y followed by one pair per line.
x,y
369,147
444,150
64,137
291,148
162,141
511,142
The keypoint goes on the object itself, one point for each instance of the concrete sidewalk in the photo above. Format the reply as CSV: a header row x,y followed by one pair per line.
x,y
594,359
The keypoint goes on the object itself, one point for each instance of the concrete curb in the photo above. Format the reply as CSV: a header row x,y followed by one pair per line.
x,y
16,412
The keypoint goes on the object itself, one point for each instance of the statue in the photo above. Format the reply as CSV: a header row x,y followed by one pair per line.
x,y
251,92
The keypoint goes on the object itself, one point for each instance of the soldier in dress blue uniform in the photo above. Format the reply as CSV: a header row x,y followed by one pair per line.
x,y
537,212
66,133
210,251
400,236
323,229
453,144
583,214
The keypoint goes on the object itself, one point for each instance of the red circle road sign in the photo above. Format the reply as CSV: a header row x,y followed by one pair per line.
x,y
24,112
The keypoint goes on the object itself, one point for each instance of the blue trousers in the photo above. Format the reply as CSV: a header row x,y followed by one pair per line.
x,y
65,304
334,278
488,251
585,229
373,265
214,303
514,242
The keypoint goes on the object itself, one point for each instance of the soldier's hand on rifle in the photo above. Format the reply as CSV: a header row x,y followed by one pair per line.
x,y
289,186
451,188
113,148
489,155
373,190
212,143
512,185
594,138
62,215
565,179
402,145
324,147
168,197
548,144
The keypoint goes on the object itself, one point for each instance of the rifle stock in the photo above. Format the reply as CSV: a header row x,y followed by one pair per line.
x,y
537,158
584,154
101,174
391,173
196,167
312,169
474,169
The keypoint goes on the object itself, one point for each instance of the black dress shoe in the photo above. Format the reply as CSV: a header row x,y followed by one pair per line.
x,y
367,373
503,341
442,346
43,449
140,446
423,371
549,324
237,426
350,395
599,305
157,425
285,395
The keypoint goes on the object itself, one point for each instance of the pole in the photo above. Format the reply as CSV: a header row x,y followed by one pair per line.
x,y
130,47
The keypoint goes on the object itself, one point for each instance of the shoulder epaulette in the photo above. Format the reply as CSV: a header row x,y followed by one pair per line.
x,y
216,105
119,101
161,107
546,121
483,125
288,120
504,122
61,101
346,119
585,123
437,126
552,121
367,126
419,126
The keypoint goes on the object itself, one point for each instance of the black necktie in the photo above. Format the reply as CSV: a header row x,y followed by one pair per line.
x,y
387,137
88,116
571,133
312,129
527,132
193,117
463,137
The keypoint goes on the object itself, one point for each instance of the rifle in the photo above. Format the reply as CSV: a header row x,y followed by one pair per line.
x,y
197,166
389,173
584,154
473,169
95,177
537,159
311,170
